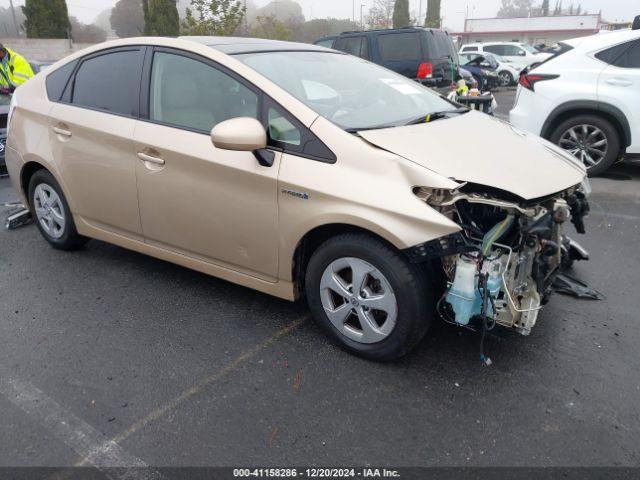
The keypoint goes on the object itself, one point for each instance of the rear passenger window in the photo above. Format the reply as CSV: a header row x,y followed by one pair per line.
x,y
57,81
626,55
400,46
110,82
357,46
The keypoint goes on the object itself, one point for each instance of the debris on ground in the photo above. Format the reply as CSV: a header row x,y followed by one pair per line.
x,y
567,285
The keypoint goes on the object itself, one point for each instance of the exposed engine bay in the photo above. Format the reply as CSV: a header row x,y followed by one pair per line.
x,y
500,268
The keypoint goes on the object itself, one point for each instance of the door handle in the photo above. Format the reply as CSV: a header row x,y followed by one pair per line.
x,y
62,132
619,82
150,159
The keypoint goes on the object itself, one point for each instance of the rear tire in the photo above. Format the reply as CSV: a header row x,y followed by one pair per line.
x,y
387,315
591,139
51,213
506,79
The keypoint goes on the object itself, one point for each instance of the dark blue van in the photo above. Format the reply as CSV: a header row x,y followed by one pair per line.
x,y
424,54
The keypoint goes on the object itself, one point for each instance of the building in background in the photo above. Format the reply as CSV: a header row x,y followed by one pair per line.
x,y
531,30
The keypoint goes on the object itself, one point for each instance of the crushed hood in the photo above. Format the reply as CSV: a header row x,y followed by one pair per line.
x,y
476,148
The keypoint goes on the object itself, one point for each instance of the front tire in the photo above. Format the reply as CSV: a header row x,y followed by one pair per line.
x,y
51,213
368,298
591,139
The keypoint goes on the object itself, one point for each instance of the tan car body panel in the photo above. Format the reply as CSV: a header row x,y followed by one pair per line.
x,y
218,211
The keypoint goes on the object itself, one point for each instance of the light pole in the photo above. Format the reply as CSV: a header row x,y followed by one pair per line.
x,y
15,22
362,16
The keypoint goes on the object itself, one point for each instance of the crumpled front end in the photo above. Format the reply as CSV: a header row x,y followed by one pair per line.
x,y
500,268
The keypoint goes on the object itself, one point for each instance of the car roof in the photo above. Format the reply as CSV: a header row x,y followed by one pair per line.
x,y
238,45
603,39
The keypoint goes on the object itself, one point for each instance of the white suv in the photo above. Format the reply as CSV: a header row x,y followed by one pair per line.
x,y
586,99
520,54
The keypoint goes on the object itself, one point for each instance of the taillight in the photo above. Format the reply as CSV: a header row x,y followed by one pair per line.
x,y
425,70
529,80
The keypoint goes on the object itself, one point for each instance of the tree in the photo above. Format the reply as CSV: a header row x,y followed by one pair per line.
x,y
433,14
161,18
381,14
558,9
312,30
46,18
515,8
545,8
270,27
82,33
127,18
213,17
401,17
6,20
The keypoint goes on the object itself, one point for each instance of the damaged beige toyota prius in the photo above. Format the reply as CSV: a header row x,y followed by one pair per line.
x,y
296,170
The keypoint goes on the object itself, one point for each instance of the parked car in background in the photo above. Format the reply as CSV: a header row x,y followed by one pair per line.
x,y
484,70
520,54
508,71
424,54
297,171
586,99
40,65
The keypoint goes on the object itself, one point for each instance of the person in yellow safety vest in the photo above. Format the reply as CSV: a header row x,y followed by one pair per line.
x,y
462,88
14,70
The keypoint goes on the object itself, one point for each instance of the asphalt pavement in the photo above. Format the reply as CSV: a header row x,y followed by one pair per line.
x,y
110,356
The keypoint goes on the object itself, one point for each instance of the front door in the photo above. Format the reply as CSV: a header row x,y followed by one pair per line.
x,y
214,205
91,136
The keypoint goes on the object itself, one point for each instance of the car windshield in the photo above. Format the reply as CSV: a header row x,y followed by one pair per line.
x,y
530,49
351,92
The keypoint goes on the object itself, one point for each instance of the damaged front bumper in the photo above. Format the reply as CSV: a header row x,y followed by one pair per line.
x,y
501,266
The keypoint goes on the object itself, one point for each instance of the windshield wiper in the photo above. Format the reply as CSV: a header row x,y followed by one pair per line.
x,y
437,116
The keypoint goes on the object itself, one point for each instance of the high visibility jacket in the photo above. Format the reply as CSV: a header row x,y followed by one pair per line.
x,y
15,71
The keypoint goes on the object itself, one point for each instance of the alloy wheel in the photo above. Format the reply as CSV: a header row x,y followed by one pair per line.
x,y
49,210
505,79
588,143
358,300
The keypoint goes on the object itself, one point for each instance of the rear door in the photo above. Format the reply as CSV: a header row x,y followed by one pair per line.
x,y
619,84
91,135
401,52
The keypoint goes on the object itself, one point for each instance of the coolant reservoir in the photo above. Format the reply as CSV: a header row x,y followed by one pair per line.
x,y
462,294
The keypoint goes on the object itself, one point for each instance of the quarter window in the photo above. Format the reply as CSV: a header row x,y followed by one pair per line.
x,y
470,49
110,82
626,55
282,130
191,94
395,47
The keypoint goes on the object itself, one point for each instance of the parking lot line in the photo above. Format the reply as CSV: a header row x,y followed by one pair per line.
x,y
78,435
205,382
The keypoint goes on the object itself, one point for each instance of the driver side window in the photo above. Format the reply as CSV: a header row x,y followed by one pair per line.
x,y
187,93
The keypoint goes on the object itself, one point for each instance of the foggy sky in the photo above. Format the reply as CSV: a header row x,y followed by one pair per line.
x,y
453,11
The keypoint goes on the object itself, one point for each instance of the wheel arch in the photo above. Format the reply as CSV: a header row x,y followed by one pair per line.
x,y
315,237
581,107
27,171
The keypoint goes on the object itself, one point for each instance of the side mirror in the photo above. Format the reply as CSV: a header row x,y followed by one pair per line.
x,y
522,53
241,134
